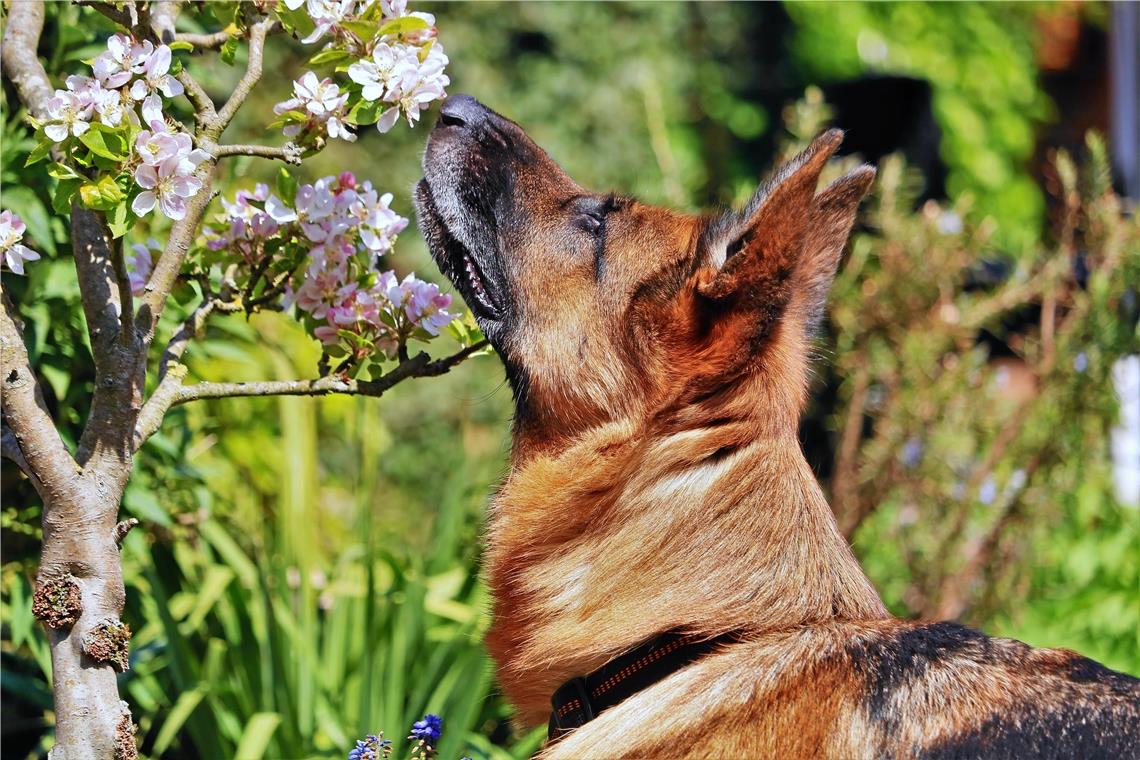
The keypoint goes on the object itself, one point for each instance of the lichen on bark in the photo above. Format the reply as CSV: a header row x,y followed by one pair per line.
x,y
108,641
57,603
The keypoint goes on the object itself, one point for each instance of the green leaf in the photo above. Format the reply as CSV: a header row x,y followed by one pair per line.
x,y
229,51
120,219
330,56
183,707
102,195
365,112
287,186
362,29
63,171
296,21
403,25
104,142
40,152
61,197
255,738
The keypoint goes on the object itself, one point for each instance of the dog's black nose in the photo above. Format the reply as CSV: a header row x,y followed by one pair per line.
x,y
462,111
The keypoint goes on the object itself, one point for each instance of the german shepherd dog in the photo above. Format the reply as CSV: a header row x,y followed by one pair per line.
x,y
659,513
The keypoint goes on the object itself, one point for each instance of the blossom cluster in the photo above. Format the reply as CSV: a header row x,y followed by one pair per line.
x,y
127,74
326,243
14,252
399,69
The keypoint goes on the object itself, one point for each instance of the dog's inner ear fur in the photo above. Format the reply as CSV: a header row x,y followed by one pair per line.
x,y
781,251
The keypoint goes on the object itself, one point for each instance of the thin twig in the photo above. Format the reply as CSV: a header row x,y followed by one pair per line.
x,y
203,42
257,34
420,365
290,153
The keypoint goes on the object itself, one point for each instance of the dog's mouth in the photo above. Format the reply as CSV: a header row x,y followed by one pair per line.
x,y
456,260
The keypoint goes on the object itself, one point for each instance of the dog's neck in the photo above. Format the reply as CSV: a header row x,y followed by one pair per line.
x,y
626,534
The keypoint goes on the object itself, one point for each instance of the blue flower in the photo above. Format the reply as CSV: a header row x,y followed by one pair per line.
x,y
427,729
371,747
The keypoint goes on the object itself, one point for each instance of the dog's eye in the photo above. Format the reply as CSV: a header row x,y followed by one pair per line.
x,y
590,221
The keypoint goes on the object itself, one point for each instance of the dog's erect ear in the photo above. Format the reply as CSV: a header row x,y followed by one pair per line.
x,y
832,215
751,256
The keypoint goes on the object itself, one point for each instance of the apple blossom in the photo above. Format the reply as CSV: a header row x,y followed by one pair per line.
x,y
333,235
11,233
327,14
157,76
123,59
169,185
323,104
67,115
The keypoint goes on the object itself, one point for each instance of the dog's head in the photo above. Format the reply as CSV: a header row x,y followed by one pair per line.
x,y
603,307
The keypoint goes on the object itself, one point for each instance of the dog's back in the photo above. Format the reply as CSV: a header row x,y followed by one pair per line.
x,y
883,690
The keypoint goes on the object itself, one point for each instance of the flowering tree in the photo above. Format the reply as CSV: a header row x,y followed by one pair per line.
x,y
117,156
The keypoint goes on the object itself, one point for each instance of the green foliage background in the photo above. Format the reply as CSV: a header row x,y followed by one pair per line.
x,y
308,568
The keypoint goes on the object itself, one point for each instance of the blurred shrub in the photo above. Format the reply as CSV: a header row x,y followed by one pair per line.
x,y
979,59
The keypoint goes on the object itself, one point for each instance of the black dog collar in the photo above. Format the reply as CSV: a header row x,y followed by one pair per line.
x,y
580,699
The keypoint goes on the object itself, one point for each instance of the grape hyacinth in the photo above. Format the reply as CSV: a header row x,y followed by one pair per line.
x,y
371,747
323,250
11,234
427,729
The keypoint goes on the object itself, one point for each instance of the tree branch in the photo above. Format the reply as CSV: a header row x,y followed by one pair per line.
x,y
203,105
209,41
420,365
171,373
257,34
30,436
10,450
166,270
21,66
290,153
123,18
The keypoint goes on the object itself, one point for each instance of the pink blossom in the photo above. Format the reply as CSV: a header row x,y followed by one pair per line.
x,y
327,14
152,113
157,76
15,253
67,115
169,185
140,262
324,105
122,60
425,305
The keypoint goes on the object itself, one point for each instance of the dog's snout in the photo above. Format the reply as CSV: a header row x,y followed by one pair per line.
x,y
462,111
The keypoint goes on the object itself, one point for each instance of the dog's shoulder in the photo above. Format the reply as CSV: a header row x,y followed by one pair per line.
x,y
883,689
942,690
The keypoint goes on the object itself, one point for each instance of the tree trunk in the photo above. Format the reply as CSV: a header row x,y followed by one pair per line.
x,y
79,597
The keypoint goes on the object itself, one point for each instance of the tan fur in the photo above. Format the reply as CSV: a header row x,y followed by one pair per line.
x,y
657,485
